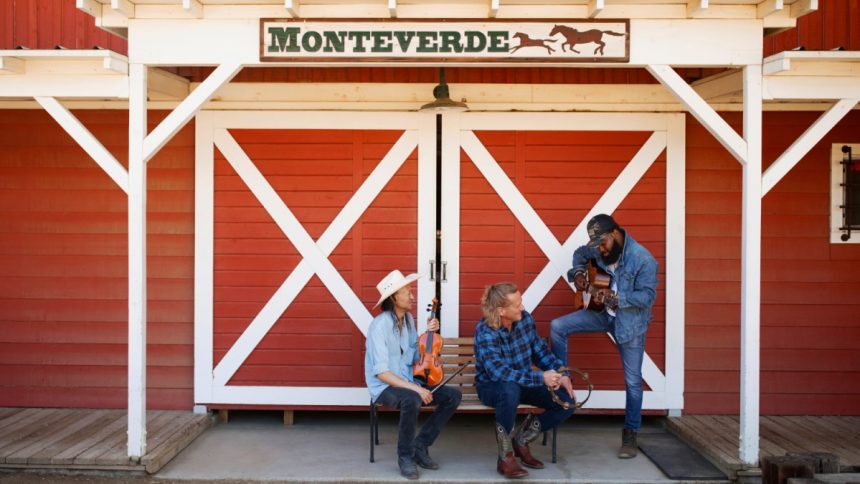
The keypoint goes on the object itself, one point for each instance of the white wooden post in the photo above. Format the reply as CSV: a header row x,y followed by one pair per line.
x,y
136,262
751,268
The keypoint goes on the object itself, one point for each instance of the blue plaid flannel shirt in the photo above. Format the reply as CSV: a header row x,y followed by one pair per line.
x,y
502,355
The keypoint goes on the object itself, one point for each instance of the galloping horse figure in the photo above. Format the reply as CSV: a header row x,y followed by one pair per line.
x,y
573,37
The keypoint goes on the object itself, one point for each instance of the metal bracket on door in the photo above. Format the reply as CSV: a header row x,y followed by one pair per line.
x,y
433,270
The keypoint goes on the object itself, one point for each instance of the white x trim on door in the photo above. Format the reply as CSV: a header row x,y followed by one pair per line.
x,y
666,390
211,384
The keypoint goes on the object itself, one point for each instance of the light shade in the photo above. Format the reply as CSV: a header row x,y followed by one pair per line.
x,y
443,101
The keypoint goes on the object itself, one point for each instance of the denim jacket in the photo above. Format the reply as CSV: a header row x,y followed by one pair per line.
x,y
382,351
636,278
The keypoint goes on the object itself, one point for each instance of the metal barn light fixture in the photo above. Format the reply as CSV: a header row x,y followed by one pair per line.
x,y
443,101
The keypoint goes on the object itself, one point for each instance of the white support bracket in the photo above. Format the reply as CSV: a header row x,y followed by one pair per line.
x,y
90,7
494,8
392,8
188,108
805,142
11,65
86,140
193,8
768,8
123,7
803,7
696,8
292,7
700,109
595,7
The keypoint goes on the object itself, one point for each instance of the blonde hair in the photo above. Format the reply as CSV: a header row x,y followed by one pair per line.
x,y
495,297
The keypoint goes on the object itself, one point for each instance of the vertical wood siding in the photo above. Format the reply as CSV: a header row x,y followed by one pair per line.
x,y
810,317
64,267
314,342
836,24
561,175
46,24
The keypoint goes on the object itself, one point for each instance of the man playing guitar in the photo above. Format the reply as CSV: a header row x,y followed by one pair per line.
x,y
627,299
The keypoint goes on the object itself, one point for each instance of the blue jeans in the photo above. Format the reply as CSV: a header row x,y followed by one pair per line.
x,y
632,353
446,399
505,396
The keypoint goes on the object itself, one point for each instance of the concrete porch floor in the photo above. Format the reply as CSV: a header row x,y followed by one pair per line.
x,y
334,447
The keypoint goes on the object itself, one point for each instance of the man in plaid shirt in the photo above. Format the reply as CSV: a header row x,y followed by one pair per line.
x,y
506,348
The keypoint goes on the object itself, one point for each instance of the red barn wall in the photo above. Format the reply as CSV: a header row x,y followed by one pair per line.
x,y
64,267
63,306
46,24
810,316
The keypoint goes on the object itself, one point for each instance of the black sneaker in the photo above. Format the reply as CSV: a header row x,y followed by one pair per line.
x,y
629,449
422,458
407,467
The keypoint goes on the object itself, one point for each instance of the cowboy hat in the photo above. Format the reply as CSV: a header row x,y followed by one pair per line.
x,y
392,283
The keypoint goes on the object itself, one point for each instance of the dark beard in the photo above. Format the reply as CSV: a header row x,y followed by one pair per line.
x,y
614,254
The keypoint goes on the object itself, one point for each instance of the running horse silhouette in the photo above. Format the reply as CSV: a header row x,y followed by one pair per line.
x,y
573,37
526,41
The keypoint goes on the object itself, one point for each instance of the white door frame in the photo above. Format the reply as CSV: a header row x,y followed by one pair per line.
x,y
419,131
667,389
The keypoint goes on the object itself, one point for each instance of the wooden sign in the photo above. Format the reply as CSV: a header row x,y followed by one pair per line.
x,y
434,41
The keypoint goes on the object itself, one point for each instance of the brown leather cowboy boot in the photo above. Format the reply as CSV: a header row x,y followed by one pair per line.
x,y
507,464
526,433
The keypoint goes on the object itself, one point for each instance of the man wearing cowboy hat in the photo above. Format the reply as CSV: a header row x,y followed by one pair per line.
x,y
392,350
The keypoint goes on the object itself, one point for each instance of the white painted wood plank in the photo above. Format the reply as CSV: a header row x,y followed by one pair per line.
x,y
204,255
675,272
303,119
188,108
137,262
751,269
805,143
426,250
450,243
696,42
572,121
86,141
700,109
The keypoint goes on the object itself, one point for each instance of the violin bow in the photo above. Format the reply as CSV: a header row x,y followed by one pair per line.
x,y
452,375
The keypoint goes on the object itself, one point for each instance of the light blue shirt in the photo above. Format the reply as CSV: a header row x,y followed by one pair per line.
x,y
387,349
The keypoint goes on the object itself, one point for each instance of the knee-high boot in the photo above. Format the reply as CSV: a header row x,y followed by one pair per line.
x,y
525,434
507,464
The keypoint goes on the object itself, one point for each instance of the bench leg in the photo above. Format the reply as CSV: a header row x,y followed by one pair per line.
x,y
554,435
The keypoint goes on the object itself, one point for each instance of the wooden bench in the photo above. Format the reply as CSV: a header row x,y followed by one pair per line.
x,y
455,352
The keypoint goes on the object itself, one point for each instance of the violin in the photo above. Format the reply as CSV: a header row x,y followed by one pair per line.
x,y
428,369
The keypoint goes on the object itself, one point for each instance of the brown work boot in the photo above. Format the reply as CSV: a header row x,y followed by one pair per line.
x,y
507,465
629,449
528,432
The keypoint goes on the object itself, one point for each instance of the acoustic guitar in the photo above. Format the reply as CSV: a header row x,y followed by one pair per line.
x,y
596,290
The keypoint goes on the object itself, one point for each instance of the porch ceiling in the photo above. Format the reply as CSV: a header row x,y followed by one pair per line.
x,y
793,76
791,80
776,15
78,74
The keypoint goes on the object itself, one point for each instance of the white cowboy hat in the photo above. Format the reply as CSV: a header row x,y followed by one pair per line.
x,y
392,283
